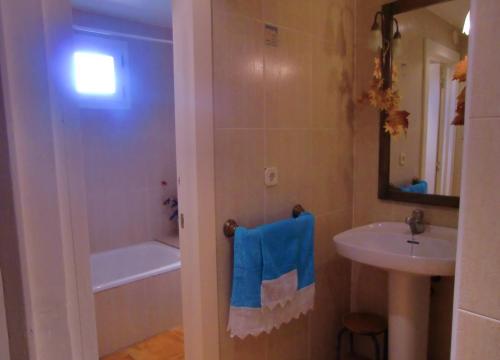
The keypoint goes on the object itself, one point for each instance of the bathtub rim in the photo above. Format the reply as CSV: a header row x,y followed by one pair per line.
x,y
122,281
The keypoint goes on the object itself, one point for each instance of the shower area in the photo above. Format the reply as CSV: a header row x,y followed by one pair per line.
x,y
123,83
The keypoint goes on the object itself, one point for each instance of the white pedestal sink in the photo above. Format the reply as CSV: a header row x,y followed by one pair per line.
x,y
410,266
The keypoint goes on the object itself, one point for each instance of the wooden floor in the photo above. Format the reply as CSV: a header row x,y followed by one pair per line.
x,y
165,346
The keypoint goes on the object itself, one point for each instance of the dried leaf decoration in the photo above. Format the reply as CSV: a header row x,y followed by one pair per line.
x,y
460,75
397,122
387,100
460,111
461,70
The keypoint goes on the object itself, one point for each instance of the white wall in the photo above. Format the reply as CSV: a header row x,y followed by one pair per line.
x,y
129,152
476,329
36,44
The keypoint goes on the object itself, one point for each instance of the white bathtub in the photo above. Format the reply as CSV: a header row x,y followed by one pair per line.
x,y
137,293
132,263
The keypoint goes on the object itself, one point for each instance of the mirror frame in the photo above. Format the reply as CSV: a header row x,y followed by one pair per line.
x,y
385,191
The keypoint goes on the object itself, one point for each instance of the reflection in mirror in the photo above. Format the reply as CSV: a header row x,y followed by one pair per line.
x,y
428,159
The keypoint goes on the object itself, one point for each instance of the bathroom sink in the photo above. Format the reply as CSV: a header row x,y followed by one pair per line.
x,y
391,246
410,262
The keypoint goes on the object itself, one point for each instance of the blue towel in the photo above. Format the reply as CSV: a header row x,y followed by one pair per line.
x,y
277,260
420,187
247,268
288,259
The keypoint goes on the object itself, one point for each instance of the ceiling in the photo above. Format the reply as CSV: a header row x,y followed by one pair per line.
x,y
155,12
454,12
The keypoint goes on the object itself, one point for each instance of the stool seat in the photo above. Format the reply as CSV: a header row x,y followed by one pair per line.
x,y
364,323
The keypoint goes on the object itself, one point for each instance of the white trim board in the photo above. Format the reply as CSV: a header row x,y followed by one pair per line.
x,y
192,34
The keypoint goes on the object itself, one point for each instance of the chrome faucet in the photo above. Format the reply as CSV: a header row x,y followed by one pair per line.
x,y
416,222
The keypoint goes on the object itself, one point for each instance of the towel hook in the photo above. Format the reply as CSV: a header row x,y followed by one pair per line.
x,y
230,225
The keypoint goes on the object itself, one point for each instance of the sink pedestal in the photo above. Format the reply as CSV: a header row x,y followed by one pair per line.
x,y
409,301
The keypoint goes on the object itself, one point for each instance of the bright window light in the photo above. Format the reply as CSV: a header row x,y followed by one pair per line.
x,y
94,73
466,29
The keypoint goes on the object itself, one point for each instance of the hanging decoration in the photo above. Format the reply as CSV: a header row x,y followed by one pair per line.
x,y
460,75
386,98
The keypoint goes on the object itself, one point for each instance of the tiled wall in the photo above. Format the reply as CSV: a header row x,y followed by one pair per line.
x,y
128,153
369,285
477,327
136,311
288,106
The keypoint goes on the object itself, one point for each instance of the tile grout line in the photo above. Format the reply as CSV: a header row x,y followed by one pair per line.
x,y
481,316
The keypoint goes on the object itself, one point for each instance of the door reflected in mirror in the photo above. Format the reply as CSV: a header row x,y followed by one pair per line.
x,y
428,159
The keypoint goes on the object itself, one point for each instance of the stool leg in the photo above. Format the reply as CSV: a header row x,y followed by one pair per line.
x,y
386,345
377,347
339,342
351,342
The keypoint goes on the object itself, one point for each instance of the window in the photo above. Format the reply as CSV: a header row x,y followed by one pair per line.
x,y
94,73
100,73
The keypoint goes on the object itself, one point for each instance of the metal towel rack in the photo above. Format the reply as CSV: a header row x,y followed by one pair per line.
x,y
230,225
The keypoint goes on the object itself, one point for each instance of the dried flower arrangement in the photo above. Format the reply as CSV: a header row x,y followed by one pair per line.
x,y
386,99
460,75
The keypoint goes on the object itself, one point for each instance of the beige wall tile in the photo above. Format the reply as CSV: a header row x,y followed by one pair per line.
x,y
249,348
326,80
295,14
480,251
290,341
238,72
288,78
239,165
478,337
331,303
326,19
483,86
333,83
327,226
441,313
369,289
326,172
290,152
250,8
332,168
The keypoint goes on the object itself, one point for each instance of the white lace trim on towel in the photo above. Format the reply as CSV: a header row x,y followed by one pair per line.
x,y
279,291
254,321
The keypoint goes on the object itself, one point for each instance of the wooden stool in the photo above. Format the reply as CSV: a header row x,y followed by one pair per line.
x,y
363,324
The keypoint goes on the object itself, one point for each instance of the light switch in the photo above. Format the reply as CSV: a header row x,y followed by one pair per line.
x,y
402,159
271,176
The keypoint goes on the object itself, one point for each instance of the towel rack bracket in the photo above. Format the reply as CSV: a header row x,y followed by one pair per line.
x,y
297,210
230,227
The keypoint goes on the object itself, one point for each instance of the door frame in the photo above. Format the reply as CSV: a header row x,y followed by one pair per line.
x,y
434,52
194,126
47,178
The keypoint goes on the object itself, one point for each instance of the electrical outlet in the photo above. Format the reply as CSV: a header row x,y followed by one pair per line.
x,y
402,159
271,176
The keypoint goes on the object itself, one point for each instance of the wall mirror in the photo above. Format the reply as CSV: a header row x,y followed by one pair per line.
x,y
424,164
